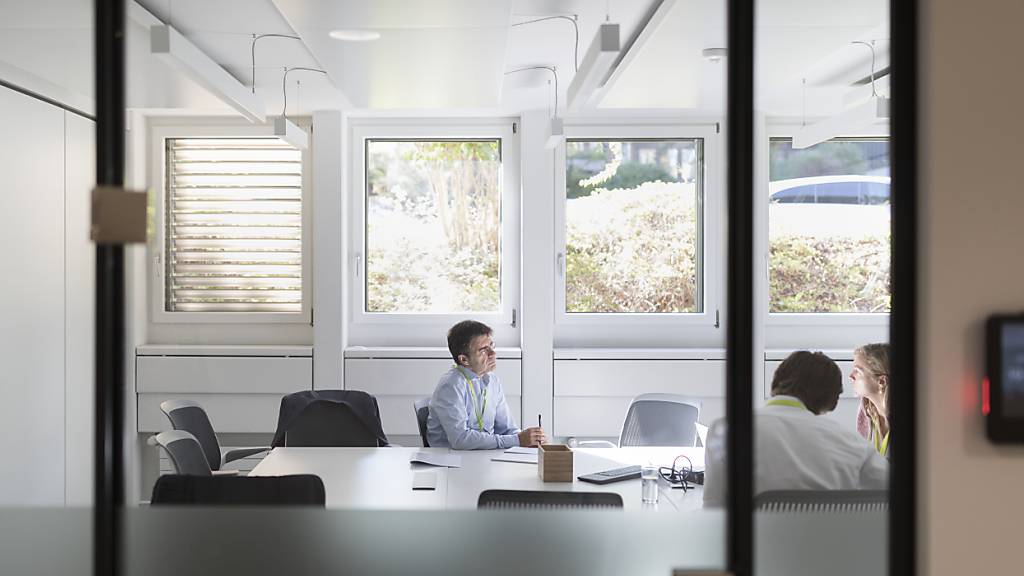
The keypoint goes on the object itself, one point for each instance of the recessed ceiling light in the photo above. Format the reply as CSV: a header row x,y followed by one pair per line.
x,y
351,35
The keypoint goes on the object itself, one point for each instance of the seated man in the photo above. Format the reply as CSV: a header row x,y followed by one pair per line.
x,y
796,449
468,409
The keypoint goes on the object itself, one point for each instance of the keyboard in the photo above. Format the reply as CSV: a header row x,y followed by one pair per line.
x,y
614,475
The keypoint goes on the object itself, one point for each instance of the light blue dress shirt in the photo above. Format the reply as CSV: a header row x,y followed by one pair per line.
x,y
453,413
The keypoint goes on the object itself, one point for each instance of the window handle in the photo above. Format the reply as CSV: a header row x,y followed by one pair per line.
x,y
560,264
359,264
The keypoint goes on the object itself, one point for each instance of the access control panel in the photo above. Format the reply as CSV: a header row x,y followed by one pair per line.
x,y
1003,389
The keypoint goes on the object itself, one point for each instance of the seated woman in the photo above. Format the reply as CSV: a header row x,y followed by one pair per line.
x,y
870,378
796,448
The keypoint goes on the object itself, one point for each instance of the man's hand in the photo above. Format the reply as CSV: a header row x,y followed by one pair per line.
x,y
532,437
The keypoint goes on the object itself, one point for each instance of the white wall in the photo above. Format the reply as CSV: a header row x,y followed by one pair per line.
x,y
46,304
80,310
32,302
971,209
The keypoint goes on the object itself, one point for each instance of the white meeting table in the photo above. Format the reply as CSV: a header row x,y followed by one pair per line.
x,y
382,478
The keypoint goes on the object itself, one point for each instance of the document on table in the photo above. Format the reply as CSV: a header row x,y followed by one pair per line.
x,y
434,459
522,450
520,457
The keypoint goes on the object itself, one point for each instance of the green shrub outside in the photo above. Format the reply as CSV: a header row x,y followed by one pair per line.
x,y
632,250
833,274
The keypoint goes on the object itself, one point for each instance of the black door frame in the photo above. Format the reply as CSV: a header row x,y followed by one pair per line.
x,y
740,351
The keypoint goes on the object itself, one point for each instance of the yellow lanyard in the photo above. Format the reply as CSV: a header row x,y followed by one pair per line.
x,y
786,402
472,392
881,444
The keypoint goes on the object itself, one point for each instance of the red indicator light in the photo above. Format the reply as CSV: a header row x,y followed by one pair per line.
x,y
986,405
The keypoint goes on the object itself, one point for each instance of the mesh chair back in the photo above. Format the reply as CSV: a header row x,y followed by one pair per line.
x,y
822,501
185,452
325,423
299,490
660,420
540,499
189,416
422,407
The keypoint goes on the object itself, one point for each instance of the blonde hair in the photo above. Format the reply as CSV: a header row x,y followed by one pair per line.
x,y
876,359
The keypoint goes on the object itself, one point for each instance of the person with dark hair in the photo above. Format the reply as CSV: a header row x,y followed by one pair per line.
x,y
796,449
468,410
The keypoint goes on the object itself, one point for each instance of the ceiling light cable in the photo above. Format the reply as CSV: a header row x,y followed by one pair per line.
x,y
252,50
284,84
871,47
575,26
552,69
803,109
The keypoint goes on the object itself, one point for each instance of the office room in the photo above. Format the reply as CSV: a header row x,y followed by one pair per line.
x,y
521,275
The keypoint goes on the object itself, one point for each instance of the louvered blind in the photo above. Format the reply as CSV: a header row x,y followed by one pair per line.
x,y
233,225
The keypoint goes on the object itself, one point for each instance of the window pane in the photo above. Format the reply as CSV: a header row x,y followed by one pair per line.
x,y
632,226
829,247
234,225
433,226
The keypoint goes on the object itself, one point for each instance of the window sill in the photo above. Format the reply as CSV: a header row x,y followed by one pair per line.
x,y
223,350
639,354
782,353
417,352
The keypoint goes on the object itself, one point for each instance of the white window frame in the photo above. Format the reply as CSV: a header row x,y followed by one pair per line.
x,y
425,327
792,321
706,325
164,129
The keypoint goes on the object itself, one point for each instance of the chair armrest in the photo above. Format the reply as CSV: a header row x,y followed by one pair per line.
x,y
239,453
595,444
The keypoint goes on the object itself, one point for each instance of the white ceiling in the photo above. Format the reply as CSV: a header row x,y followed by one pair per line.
x,y
53,41
449,55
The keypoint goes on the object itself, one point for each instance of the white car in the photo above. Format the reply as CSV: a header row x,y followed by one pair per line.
x,y
829,206
845,189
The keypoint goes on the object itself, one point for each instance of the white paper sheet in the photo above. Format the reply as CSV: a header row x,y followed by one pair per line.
x,y
435,459
522,450
702,433
514,457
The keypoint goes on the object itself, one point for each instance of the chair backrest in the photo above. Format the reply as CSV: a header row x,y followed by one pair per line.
x,y
299,490
822,501
326,423
422,407
184,451
537,499
660,420
189,416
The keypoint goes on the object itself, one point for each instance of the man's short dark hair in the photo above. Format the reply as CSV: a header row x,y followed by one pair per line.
x,y
812,377
460,335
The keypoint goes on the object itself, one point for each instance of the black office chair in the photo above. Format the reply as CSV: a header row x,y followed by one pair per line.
x,y
326,423
422,407
540,499
822,501
185,452
298,490
189,416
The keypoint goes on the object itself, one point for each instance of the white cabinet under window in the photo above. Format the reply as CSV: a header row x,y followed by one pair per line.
x,y
239,387
397,378
592,395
